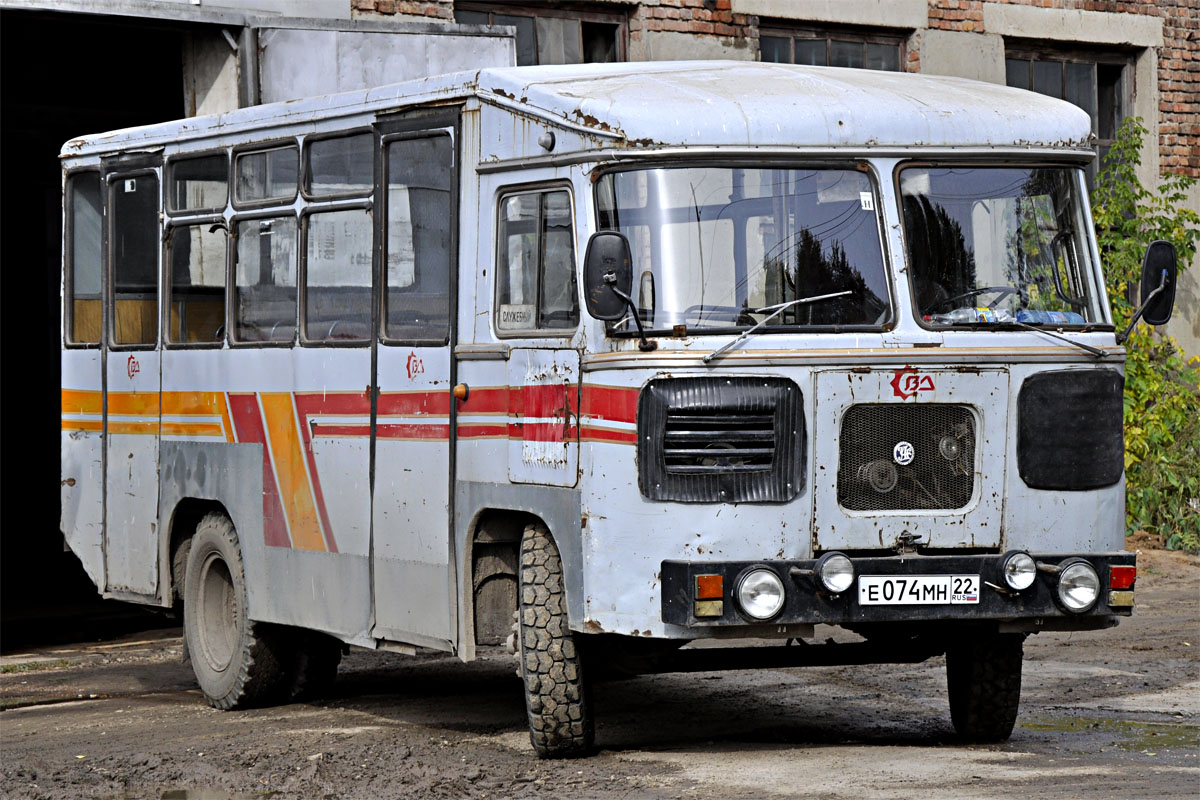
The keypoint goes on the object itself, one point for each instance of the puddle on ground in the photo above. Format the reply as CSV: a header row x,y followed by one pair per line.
x,y
1133,736
211,794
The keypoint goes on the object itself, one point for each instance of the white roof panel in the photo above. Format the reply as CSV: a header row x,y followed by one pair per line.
x,y
705,103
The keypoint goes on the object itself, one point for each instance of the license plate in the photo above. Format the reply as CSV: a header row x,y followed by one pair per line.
x,y
917,590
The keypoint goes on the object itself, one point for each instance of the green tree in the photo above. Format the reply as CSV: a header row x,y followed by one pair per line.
x,y
1162,388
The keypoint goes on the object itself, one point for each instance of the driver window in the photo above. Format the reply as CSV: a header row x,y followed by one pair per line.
x,y
536,284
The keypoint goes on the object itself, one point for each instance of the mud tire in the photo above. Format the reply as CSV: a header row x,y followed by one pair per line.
x,y
983,680
557,699
238,663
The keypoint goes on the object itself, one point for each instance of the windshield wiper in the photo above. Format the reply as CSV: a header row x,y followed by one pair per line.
x,y
775,310
1024,326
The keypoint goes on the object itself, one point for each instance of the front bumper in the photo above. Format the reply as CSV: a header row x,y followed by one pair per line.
x,y
807,602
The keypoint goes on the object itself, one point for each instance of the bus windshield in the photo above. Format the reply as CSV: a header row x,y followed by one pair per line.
x,y
991,244
726,246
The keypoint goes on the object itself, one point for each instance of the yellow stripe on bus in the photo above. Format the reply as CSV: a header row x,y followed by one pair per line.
x,y
81,425
133,404
81,401
291,471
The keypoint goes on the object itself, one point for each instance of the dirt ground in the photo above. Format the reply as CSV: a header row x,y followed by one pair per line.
x,y
1107,714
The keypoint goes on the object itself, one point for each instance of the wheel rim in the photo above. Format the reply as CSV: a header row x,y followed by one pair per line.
x,y
218,613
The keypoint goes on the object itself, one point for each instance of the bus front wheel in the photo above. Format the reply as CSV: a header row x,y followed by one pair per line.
x,y
983,679
238,663
557,699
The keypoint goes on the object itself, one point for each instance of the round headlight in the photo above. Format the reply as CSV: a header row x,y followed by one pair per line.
x,y
1078,586
760,593
1019,571
836,572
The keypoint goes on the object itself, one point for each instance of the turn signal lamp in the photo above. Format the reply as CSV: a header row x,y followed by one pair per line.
x,y
709,595
1121,577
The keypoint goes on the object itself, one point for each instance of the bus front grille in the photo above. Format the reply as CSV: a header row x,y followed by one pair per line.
x,y
728,440
895,457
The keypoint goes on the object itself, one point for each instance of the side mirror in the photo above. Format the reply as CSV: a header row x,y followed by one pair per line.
x,y
607,275
1159,272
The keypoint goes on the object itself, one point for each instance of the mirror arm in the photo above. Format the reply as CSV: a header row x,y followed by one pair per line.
x,y
1137,315
645,345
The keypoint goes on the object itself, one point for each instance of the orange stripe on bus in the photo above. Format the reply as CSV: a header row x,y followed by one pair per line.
x,y
81,401
291,470
132,428
82,425
192,429
133,404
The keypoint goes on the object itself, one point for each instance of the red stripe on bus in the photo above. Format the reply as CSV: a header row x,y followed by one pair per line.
x,y
247,419
610,403
591,434
409,403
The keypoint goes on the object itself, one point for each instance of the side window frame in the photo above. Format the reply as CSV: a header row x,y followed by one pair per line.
x,y
68,273
111,175
169,177
275,212
541,189
170,227
364,204
263,147
450,131
306,166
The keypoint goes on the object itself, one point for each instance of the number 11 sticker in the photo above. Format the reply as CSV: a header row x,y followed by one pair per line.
x,y
867,201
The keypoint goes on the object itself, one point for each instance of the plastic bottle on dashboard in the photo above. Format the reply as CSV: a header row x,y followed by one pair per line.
x,y
960,316
1037,317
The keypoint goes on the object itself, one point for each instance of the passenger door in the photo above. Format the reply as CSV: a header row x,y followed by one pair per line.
x,y
413,575
131,391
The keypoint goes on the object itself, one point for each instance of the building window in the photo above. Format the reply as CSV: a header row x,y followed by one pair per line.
x,y
553,36
1094,82
831,48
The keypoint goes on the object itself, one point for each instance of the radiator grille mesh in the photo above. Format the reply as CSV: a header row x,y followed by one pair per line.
x,y
940,474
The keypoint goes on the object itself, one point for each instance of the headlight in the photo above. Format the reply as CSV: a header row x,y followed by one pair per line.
x,y
1078,586
760,593
835,571
1019,571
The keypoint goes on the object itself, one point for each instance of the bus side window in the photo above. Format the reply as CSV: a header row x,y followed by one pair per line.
x,y
536,287
264,291
419,220
337,275
84,250
196,284
133,246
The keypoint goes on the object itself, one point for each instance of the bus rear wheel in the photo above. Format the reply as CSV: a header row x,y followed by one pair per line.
x,y
557,700
983,679
238,663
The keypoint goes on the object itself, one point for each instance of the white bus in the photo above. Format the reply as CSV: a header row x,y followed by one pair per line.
x,y
635,355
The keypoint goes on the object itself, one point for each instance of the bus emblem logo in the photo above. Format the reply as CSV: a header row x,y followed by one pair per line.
x,y
132,367
414,365
903,453
906,383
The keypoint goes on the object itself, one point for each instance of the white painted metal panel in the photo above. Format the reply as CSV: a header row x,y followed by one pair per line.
x,y
82,460
543,390
412,573
977,524
131,486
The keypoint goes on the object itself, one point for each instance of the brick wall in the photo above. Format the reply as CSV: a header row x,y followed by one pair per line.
x,y
1178,59
697,17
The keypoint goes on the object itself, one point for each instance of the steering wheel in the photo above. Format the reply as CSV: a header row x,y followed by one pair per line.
x,y
1001,293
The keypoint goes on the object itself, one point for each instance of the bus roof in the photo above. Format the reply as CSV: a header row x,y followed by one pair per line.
x,y
693,103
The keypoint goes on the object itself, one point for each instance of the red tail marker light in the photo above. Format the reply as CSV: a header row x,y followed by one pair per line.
x,y
1121,577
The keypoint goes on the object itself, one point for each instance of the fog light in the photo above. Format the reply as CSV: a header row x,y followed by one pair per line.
x,y
1078,586
1019,571
835,571
760,593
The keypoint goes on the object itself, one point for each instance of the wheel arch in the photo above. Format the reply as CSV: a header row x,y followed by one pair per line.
x,y
508,509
